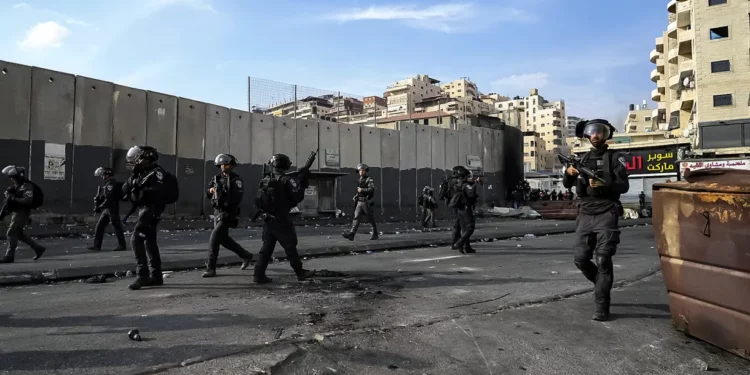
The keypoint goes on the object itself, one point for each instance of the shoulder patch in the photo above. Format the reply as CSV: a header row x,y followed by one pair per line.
x,y
293,182
28,193
239,183
109,187
159,175
622,161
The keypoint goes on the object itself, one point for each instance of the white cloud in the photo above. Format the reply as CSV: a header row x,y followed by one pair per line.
x,y
447,18
73,21
21,5
521,82
45,35
199,5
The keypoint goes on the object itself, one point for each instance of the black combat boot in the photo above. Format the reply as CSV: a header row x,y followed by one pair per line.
x,y
10,256
460,249
94,248
139,283
246,262
263,279
602,313
469,250
349,236
209,273
156,279
39,251
304,274
375,233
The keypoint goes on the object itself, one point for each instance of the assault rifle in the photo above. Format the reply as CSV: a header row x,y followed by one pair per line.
x,y
134,187
98,200
218,192
576,162
303,172
5,210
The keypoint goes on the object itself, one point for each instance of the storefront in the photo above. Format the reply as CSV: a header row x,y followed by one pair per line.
x,y
695,165
320,196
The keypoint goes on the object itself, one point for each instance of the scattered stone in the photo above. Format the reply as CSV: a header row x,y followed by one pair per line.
x,y
555,272
699,364
99,279
392,367
318,337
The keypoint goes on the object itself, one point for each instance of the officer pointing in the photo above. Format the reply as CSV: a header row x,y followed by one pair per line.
x,y
597,231
107,202
225,191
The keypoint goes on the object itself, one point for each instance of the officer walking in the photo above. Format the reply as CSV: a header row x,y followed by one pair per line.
x,y
428,204
20,199
462,201
225,191
597,231
146,190
364,203
107,202
278,193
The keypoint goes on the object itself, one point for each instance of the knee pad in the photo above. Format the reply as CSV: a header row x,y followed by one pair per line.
x,y
604,263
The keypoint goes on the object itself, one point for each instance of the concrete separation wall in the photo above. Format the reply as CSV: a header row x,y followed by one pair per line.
x,y
128,126
161,131
370,150
191,130
424,157
52,112
389,184
408,171
240,143
15,105
217,142
261,132
328,139
451,150
512,157
92,138
349,139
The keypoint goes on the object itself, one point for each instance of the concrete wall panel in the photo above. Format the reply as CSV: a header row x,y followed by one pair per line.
x,y
161,131
15,105
51,126
370,150
330,150
464,146
350,153
451,150
491,186
438,163
285,139
262,136
408,172
512,156
424,157
476,142
217,142
128,125
307,142
191,130
240,145
390,159
92,138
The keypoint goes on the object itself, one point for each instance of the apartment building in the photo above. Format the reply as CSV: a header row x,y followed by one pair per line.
x,y
638,119
512,111
374,103
402,96
570,126
535,155
461,88
701,74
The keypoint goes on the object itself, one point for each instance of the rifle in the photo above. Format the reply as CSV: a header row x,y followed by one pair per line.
x,y
98,200
266,173
217,191
5,210
133,188
304,172
578,164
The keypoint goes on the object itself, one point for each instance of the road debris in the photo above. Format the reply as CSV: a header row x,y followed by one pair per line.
x,y
476,303
134,335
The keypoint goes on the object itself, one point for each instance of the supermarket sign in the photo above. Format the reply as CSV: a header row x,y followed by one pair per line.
x,y
713,164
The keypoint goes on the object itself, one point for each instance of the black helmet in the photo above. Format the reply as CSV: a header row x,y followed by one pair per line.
x,y
138,154
461,171
426,189
13,171
585,129
103,171
223,159
362,166
280,161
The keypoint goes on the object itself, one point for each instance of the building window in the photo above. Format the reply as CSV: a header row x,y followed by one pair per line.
x,y
525,154
720,66
532,143
716,2
648,119
722,100
532,153
526,144
719,33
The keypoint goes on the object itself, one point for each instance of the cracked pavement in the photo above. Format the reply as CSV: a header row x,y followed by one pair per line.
x,y
421,311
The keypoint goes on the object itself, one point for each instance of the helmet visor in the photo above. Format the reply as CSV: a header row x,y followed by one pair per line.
x,y
596,128
222,159
134,154
99,172
10,171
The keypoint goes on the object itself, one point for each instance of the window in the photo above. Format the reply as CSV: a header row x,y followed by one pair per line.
x,y
532,153
526,144
716,2
722,100
532,143
720,66
719,33
525,154
648,119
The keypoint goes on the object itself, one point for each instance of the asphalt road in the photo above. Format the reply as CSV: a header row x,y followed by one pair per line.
x,y
422,311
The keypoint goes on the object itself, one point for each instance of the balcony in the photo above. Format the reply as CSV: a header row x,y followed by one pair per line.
x,y
686,67
662,105
655,96
655,75
685,36
660,64
672,6
655,113
683,13
661,85
672,55
654,55
672,29
674,81
675,106
660,44
687,97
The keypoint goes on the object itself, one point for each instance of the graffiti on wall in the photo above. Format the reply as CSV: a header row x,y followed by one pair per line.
x,y
54,161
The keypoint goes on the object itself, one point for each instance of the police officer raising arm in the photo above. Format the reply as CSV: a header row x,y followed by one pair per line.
x,y
20,199
107,202
278,193
225,191
597,230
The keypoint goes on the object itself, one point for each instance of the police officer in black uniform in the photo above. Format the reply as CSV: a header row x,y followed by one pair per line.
x,y
278,193
364,203
19,200
225,191
597,229
107,202
463,199
144,189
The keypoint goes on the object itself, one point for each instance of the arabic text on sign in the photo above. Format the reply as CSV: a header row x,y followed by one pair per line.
x,y
660,157
660,167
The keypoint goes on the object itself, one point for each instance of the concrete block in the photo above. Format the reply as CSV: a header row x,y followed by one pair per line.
x,y
512,156
464,145
262,135
240,144
51,126
128,126
330,153
92,138
476,142
350,153
191,131
161,131
408,171
390,158
424,157
451,149
307,142
216,142
438,156
15,106
285,139
370,150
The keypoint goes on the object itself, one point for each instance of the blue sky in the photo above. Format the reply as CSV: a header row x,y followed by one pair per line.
x,y
591,53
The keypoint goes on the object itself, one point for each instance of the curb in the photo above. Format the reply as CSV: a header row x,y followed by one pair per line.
x,y
67,274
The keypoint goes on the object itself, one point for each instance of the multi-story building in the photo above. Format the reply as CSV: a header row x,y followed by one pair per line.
x,y
535,155
402,95
639,119
374,103
461,88
512,111
701,74
570,126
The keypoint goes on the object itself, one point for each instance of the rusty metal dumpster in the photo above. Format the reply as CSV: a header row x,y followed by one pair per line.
x,y
702,231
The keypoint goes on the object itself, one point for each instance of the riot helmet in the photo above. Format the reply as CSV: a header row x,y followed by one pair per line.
x,y
426,189
280,161
103,171
461,171
363,166
587,129
224,159
14,171
140,154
